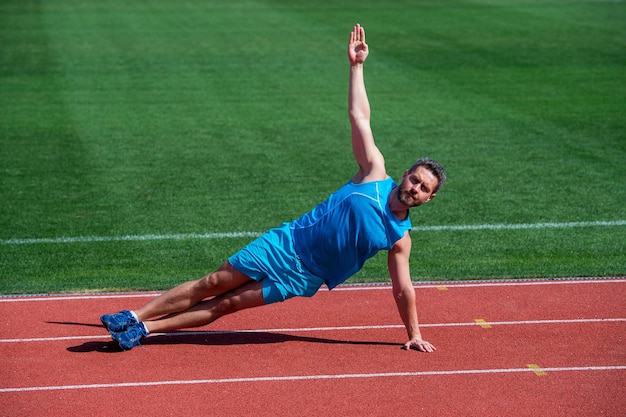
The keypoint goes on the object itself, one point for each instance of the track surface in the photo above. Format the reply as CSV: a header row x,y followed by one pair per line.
x,y
550,348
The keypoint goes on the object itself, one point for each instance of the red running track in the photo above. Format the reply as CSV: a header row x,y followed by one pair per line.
x,y
536,348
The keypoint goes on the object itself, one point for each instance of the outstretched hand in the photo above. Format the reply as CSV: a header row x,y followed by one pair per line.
x,y
357,48
419,344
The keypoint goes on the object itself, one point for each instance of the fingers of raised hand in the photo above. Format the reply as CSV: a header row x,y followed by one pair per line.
x,y
357,34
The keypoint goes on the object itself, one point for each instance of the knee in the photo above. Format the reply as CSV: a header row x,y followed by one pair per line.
x,y
226,306
209,284
215,283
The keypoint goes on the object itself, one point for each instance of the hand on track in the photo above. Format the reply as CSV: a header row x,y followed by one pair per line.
x,y
419,344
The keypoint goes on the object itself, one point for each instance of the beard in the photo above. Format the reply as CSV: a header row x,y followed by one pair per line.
x,y
408,198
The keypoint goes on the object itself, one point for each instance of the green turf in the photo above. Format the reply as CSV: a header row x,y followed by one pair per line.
x,y
159,117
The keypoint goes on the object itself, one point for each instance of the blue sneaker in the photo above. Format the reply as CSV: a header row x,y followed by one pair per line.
x,y
131,337
119,321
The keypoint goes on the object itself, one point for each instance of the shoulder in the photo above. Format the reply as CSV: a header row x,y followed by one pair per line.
x,y
375,172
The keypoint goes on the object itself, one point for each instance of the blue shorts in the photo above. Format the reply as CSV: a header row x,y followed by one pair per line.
x,y
272,259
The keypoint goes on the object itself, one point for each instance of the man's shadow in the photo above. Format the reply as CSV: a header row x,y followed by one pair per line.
x,y
212,338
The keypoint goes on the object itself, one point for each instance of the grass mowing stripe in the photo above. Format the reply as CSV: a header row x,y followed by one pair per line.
x,y
227,235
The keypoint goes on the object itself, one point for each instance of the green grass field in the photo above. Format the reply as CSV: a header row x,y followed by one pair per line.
x,y
161,118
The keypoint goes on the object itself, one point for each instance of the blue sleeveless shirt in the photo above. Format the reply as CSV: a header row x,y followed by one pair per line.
x,y
336,238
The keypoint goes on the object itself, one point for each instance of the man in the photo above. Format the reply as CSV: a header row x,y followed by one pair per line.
x,y
325,246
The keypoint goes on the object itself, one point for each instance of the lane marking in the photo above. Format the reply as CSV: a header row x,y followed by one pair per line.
x,y
344,287
482,323
478,322
311,377
537,369
494,283
231,235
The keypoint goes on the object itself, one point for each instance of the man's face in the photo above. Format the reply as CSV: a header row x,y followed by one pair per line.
x,y
417,187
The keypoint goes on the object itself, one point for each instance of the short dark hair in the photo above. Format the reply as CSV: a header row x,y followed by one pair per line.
x,y
434,167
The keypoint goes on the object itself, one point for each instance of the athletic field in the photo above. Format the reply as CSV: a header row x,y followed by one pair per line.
x,y
142,143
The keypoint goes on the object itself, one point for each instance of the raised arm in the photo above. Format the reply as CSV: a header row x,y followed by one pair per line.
x,y
404,293
368,156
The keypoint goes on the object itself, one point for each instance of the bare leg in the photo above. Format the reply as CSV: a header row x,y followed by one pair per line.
x,y
246,296
190,293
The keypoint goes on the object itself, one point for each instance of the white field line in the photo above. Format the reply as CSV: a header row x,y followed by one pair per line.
x,y
90,239
315,377
344,287
20,298
329,329
230,235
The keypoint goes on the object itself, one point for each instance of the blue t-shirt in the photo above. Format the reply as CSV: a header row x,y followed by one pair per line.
x,y
336,238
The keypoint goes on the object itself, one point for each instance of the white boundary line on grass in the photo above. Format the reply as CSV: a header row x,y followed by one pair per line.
x,y
230,235
316,377
330,329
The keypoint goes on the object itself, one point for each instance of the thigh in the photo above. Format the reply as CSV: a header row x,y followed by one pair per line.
x,y
245,296
224,279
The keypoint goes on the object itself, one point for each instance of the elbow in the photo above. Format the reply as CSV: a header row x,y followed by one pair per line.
x,y
404,293
359,118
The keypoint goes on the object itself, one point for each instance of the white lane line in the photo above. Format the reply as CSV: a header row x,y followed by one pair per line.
x,y
494,283
230,235
329,329
344,287
313,377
